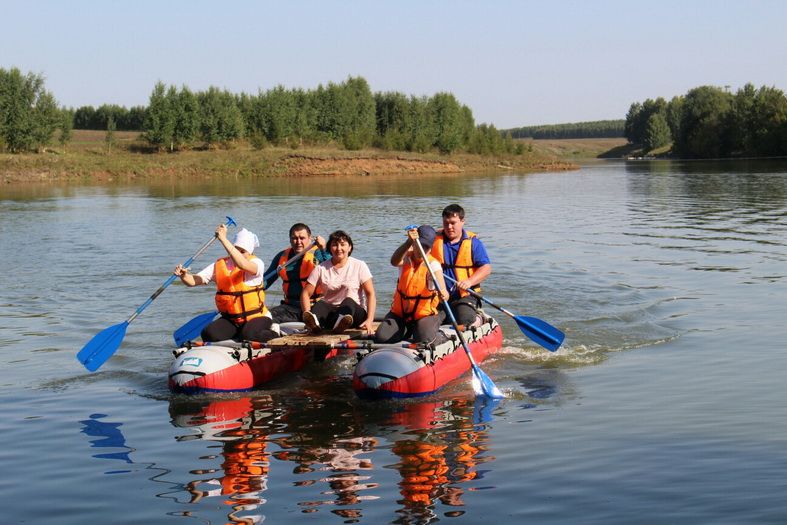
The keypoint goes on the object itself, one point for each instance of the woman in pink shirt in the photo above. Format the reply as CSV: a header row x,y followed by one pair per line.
x,y
343,280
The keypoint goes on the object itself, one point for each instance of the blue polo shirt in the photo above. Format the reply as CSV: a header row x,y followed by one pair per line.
x,y
450,252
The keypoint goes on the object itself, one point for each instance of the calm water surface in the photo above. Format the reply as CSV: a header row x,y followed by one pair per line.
x,y
665,405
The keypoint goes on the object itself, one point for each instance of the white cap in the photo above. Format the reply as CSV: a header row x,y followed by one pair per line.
x,y
246,240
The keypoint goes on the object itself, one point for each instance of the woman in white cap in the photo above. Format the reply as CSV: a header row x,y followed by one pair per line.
x,y
240,297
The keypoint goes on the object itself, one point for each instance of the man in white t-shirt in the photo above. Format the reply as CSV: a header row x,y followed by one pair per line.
x,y
348,292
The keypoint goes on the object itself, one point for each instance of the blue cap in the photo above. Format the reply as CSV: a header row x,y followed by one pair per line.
x,y
426,235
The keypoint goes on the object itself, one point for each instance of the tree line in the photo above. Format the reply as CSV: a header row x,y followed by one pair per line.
x,y
125,119
347,113
711,122
574,130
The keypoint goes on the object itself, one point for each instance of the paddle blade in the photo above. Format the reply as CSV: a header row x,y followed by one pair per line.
x,y
96,352
484,386
541,332
192,329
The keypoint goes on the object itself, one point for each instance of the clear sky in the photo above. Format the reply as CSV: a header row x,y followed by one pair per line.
x,y
513,63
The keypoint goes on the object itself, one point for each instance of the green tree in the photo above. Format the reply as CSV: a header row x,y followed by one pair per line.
x,y
769,122
46,119
358,126
109,138
674,114
66,127
703,125
277,115
29,114
657,133
186,113
393,117
221,121
638,117
84,117
448,120
159,118
421,133
467,125
487,140
305,125
632,119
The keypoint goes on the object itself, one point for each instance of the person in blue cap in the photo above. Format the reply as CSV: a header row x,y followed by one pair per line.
x,y
414,313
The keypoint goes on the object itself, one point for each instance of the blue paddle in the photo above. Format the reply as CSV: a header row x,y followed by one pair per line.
x,y
192,329
537,330
104,344
482,384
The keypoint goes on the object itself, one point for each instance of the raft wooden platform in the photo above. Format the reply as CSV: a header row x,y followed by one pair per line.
x,y
322,340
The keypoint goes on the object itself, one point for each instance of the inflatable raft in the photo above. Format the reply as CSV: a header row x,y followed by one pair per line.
x,y
418,370
231,366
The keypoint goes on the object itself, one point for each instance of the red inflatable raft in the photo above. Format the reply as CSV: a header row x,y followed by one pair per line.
x,y
395,371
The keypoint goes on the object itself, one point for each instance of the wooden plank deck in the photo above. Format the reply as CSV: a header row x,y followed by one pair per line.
x,y
325,339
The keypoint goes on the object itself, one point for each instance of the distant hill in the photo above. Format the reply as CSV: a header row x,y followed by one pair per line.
x,y
575,130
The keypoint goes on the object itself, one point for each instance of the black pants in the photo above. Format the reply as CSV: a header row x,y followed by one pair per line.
x,y
258,329
464,309
393,329
286,313
327,314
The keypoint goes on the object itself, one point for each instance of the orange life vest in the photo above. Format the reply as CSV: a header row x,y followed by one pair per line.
x,y
423,469
413,299
463,265
307,264
245,466
234,299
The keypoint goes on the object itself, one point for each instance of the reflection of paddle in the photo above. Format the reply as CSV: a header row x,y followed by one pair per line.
x,y
193,328
482,384
96,352
539,331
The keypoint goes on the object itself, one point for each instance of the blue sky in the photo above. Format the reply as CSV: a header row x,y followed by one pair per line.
x,y
512,62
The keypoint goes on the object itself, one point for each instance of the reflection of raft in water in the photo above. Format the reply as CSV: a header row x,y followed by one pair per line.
x,y
394,371
230,366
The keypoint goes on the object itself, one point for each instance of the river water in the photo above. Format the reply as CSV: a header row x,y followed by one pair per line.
x,y
666,403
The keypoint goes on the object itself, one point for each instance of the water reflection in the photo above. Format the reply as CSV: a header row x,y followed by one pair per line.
x,y
448,185
434,465
109,436
332,456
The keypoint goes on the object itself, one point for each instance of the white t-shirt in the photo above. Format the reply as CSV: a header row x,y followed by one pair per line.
x,y
340,283
208,274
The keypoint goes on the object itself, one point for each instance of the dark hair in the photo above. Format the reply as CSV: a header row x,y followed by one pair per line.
x,y
340,235
454,209
298,226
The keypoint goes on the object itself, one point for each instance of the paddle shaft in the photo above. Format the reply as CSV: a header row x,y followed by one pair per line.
x,y
446,305
478,295
172,277
292,259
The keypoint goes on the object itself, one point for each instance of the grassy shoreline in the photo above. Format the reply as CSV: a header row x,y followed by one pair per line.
x,y
86,158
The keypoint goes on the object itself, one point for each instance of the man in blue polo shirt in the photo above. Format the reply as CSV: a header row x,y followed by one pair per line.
x,y
464,258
